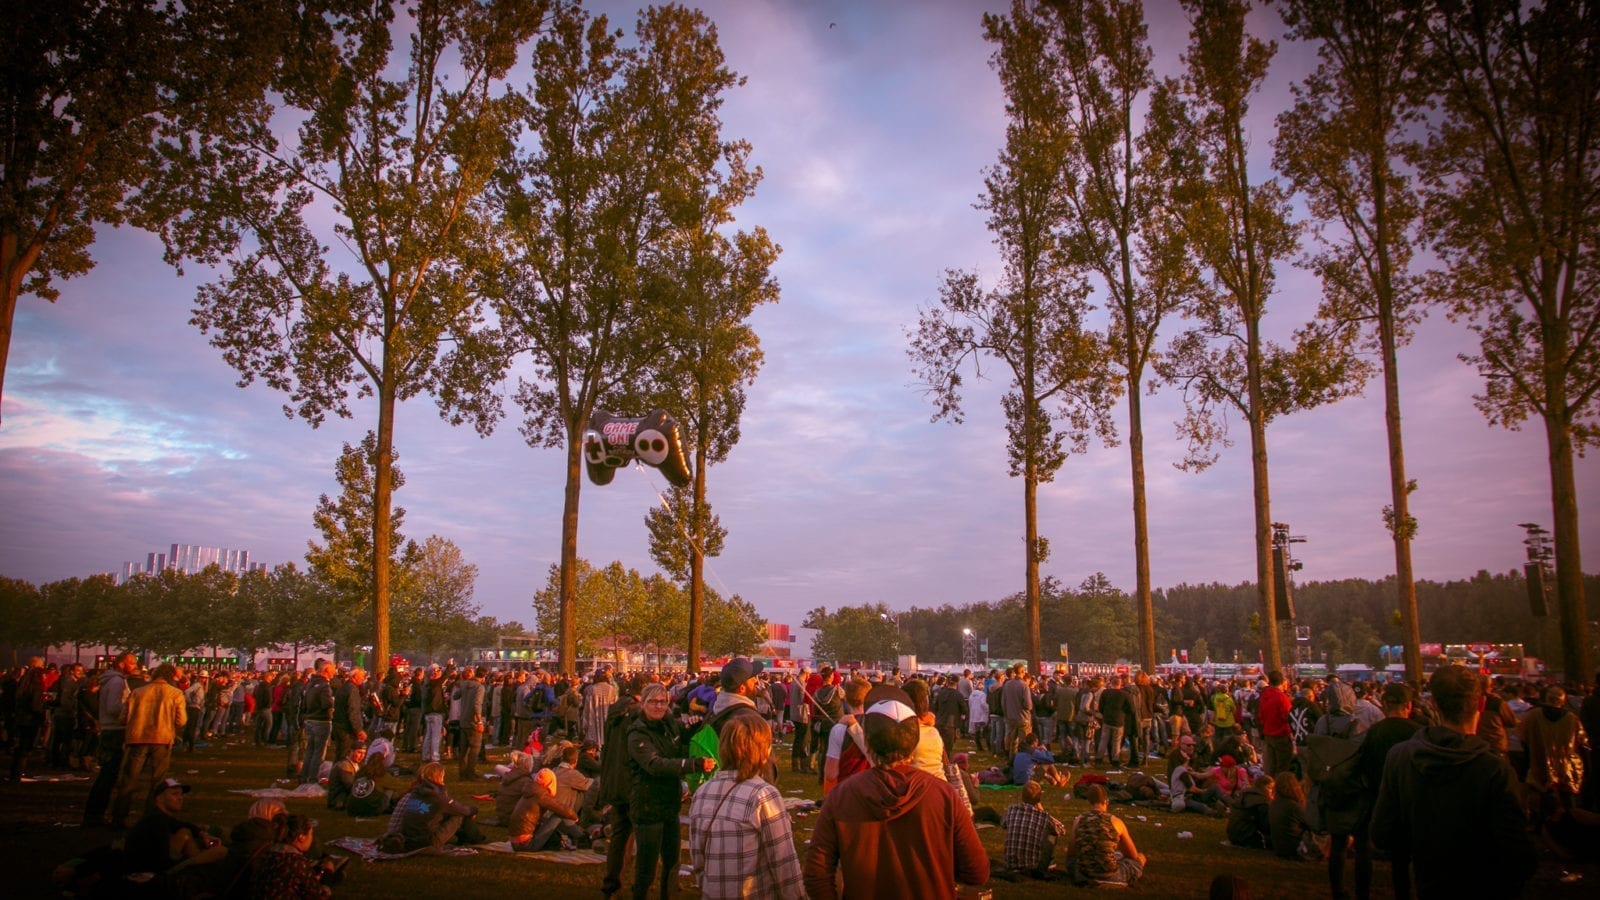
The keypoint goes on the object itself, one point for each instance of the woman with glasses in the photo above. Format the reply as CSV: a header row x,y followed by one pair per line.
x,y
658,757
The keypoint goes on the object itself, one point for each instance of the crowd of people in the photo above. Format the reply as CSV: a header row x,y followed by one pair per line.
x,y
1317,769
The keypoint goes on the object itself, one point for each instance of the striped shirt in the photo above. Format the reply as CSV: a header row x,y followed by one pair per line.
x,y
740,840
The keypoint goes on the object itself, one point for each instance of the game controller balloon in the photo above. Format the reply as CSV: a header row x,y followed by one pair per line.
x,y
611,441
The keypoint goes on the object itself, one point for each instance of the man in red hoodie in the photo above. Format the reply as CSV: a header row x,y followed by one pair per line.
x,y
893,830
1273,714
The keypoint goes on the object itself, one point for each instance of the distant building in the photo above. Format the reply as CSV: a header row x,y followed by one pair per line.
x,y
190,559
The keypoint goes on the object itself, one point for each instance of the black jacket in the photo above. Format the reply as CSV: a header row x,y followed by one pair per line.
x,y
316,704
658,760
347,708
616,774
1449,801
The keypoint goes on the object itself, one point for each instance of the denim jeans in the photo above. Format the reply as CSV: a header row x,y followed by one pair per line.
x,y
432,732
317,732
1111,743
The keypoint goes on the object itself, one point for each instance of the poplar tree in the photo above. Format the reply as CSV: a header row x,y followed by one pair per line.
x,y
1032,322
347,254
709,286
1105,70
1344,145
1233,230
625,145
1511,174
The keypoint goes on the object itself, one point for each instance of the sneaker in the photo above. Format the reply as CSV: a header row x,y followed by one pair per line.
x,y
567,844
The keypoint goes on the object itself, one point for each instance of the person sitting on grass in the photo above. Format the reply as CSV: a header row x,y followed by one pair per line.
x,y
538,817
516,781
1231,778
343,775
163,843
426,817
1031,834
1192,789
1034,762
1291,833
285,870
1101,851
1248,824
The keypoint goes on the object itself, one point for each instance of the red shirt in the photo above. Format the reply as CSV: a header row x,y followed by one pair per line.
x,y
1273,712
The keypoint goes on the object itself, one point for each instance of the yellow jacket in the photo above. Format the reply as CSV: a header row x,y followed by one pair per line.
x,y
155,714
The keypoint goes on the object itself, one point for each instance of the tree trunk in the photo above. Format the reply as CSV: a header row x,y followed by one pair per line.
x,y
697,538
1141,528
382,502
568,637
697,559
1569,570
1030,514
1399,492
1273,656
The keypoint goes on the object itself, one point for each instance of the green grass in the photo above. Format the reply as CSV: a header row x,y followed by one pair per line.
x,y
38,830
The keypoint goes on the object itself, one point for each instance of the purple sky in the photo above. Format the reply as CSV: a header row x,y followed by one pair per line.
x,y
124,432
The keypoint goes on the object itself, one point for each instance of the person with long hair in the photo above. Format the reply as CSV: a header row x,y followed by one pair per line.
x,y
740,838
284,871
658,760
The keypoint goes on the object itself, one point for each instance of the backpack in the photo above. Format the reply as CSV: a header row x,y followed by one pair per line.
x,y
1045,705
538,700
1329,762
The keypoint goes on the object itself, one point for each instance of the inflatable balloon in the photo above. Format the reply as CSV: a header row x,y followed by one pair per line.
x,y
612,441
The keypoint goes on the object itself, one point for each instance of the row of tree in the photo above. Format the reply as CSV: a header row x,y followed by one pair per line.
x,y
519,186
284,609
1348,621
1465,129
617,607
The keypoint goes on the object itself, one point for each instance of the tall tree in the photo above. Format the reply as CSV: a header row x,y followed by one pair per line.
x,y
862,634
1343,145
1234,230
1510,179
433,596
733,626
344,561
1105,58
388,163
1032,322
709,284
624,143
107,100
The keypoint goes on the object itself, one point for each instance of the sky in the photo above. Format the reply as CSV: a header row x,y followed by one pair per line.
x,y
124,432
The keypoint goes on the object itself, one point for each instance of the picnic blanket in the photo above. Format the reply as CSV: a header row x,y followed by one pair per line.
x,y
564,857
36,779
798,804
367,849
302,792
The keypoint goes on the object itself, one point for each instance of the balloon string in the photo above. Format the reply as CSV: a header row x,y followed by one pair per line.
x,y
684,530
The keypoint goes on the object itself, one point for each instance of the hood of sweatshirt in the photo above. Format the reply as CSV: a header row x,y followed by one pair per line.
x,y
1445,751
889,792
727,701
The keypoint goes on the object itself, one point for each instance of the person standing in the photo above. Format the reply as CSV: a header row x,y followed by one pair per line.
x,y
1556,745
658,764
1272,710
1447,800
597,700
349,726
64,716
194,705
473,723
949,709
893,830
800,715
740,839
1114,716
156,716
31,710
1394,728
316,719
112,726
616,785
1016,700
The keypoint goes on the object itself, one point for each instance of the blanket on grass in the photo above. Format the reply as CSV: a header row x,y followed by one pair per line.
x,y
302,792
367,849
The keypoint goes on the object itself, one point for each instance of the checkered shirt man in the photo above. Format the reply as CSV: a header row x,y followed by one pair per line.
x,y
1027,827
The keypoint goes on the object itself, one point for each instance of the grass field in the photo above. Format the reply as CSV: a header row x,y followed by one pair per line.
x,y
39,829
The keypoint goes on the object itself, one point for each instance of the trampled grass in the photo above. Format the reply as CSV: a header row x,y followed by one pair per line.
x,y
39,830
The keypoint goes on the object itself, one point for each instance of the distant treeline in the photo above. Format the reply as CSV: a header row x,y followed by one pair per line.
x,y
1348,619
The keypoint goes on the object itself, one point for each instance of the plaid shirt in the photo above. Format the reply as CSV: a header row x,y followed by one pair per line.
x,y
740,840
1026,827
